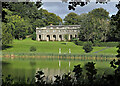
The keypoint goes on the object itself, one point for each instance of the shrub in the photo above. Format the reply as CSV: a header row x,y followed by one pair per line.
x,y
32,48
98,43
80,43
66,37
108,44
34,36
87,47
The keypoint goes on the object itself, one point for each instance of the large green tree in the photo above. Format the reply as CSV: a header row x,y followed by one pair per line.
x,y
50,18
18,25
99,13
95,27
71,19
115,26
6,34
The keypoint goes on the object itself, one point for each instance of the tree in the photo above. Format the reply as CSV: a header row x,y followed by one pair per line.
x,y
50,18
87,47
95,27
19,26
74,3
34,36
115,26
39,76
27,10
99,13
91,72
6,35
78,74
71,19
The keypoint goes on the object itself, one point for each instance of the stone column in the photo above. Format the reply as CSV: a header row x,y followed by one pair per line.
x,y
42,37
68,36
62,37
57,37
45,37
37,37
51,37
73,35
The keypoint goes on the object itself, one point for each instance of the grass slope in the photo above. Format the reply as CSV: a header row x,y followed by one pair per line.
x,y
53,47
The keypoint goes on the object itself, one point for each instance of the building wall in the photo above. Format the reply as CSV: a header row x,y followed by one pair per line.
x,y
56,33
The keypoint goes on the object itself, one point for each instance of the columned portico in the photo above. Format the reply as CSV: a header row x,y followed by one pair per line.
x,y
57,32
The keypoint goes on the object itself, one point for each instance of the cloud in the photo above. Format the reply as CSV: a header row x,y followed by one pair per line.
x,y
61,9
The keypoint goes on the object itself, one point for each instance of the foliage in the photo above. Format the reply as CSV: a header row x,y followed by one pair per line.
x,y
7,37
34,36
95,27
32,48
67,79
78,74
91,72
98,43
74,19
20,27
116,65
8,81
40,78
99,13
107,44
70,19
115,25
66,37
73,4
50,18
87,47
80,43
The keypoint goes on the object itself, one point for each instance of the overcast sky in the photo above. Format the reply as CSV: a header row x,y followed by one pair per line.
x,y
61,9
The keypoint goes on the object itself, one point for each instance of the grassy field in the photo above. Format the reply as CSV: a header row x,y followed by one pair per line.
x,y
53,47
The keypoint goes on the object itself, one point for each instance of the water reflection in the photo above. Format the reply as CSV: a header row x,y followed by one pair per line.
x,y
24,69
23,74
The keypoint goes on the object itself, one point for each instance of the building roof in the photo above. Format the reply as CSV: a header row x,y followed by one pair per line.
x,y
59,26
63,26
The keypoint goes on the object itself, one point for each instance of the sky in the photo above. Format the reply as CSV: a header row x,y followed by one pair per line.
x,y
61,9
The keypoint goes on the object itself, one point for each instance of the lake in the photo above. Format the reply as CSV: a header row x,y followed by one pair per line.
x,y
21,69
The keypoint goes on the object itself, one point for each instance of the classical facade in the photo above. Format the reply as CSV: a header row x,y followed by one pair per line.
x,y
57,32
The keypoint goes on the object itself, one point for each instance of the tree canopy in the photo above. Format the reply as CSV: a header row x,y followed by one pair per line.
x,y
22,18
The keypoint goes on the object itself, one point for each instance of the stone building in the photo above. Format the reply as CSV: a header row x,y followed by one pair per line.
x,y
57,32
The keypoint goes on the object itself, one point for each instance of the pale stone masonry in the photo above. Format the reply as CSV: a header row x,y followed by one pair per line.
x,y
57,32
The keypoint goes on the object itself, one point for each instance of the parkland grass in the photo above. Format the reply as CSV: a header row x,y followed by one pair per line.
x,y
21,46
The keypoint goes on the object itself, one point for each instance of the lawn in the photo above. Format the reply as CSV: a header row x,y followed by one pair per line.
x,y
53,47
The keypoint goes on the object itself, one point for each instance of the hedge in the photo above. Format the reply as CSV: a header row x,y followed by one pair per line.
x,y
100,44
